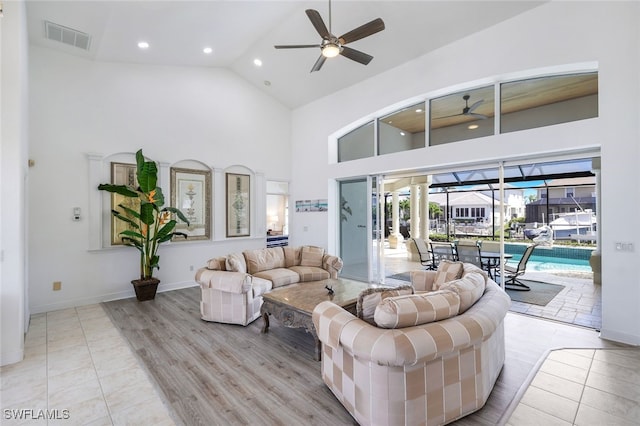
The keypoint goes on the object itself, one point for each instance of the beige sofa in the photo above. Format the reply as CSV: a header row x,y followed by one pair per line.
x,y
232,286
432,358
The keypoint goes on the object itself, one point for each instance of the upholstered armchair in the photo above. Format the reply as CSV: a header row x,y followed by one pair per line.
x,y
230,297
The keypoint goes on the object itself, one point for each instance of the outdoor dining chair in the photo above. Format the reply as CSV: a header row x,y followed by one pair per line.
x,y
512,273
442,251
426,256
468,251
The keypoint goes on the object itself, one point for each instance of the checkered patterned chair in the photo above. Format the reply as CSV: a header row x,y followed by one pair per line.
x,y
432,373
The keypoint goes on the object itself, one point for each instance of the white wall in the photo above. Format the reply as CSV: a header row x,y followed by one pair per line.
x,y
548,37
13,148
173,114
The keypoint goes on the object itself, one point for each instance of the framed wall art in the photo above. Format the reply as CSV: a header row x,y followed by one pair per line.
x,y
311,206
191,194
238,205
122,174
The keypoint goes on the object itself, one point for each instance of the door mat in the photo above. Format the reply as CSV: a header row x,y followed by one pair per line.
x,y
540,294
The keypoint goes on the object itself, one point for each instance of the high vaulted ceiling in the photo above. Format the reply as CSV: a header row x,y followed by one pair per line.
x,y
241,31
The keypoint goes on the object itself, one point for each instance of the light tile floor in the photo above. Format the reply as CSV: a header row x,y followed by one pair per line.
x,y
582,387
78,370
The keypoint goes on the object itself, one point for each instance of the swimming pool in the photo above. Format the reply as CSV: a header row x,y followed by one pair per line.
x,y
553,264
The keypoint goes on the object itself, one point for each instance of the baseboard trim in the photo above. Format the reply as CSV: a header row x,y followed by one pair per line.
x,y
616,336
73,303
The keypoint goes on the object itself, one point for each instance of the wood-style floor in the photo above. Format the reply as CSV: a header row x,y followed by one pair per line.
x,y
222,374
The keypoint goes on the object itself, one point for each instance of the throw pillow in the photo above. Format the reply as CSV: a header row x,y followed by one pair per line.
x,y
469,288
416,309
217,264
448,270
370,298
235,263
291,256
312,256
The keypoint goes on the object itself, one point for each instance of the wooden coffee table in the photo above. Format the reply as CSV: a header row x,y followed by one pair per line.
x,y
293,305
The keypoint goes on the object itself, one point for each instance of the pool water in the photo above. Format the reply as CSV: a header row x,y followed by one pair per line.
x,y
551,264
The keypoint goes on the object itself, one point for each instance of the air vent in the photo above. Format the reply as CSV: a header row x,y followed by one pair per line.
x,y
67,35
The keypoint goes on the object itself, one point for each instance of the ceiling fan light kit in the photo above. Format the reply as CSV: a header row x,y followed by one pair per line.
x,y
332,46
331,50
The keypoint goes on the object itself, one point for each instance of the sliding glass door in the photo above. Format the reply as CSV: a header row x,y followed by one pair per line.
x,y
354,242
360,236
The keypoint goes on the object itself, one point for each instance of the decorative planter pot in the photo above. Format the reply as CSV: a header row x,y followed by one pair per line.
x,y
145,289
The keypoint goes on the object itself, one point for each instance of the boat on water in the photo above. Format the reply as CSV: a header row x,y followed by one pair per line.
x,y
576,223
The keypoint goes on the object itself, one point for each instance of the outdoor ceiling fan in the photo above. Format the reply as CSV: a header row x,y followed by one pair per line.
x,y
332,46
468,110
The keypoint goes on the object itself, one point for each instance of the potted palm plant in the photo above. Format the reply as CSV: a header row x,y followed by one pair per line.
x,y
148,226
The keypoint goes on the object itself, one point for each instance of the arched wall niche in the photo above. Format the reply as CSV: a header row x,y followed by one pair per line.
x,y
100,167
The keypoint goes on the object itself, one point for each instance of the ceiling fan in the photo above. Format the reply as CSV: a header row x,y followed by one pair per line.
x,y
332,46
468,110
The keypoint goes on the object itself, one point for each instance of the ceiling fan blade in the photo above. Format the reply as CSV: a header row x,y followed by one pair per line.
x,y
318,23
295,46
475,105
362,31
319,63
447,116
356,55
479,116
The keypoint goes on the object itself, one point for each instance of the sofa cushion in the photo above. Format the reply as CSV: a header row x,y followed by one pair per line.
x,y
416,309
310,273
292,256
235,263
312,256
469,288
370,298
217,264
279,276
264,259
448,270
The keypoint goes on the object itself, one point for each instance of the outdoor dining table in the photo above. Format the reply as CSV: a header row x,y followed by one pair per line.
x,y
491,261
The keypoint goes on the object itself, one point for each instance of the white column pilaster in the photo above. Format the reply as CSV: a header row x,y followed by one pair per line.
x,y
414,206
424,211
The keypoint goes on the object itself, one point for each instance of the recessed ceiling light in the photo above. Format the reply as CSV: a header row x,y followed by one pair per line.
x,y
419,110
402,133
257,62
472,126
207,50
143,45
